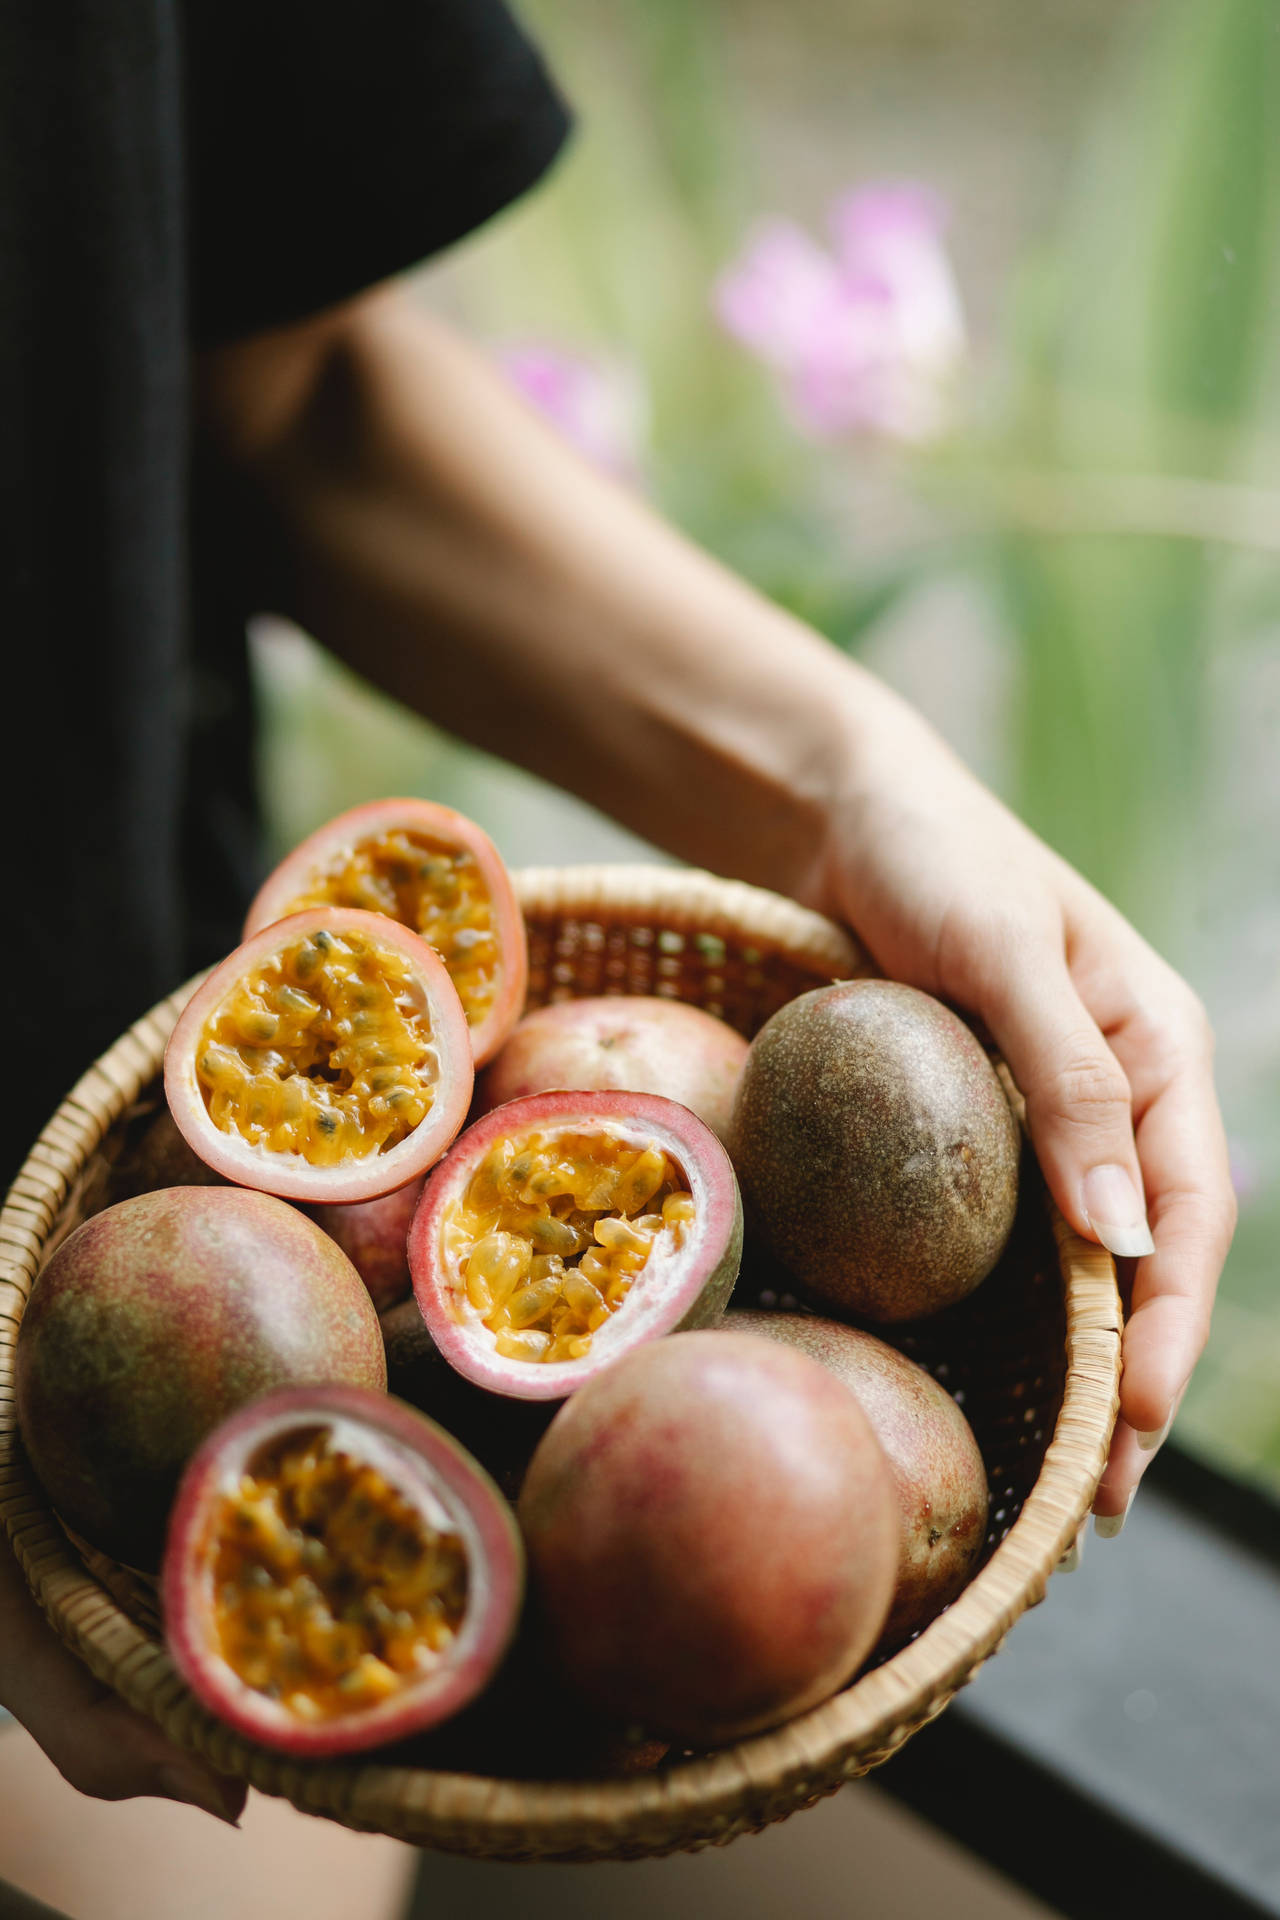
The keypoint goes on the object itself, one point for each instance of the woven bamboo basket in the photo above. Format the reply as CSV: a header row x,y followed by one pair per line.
x,y
1033,1356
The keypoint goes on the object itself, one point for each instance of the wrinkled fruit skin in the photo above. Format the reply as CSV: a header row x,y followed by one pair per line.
x,y
877,1153
939,1480
408,1450
500,1432
630,1042
374,1235
154,1321
712,1537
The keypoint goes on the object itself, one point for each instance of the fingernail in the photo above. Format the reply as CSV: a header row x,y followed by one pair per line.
x,y
1075,1552
1108,1525
200,1790
1114,1210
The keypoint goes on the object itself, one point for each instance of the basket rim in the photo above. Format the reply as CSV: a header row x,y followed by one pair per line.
x,y
707,1799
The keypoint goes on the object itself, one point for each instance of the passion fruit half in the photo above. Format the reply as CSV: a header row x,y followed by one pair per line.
x,y
433,870
339,1573
566,1228
326,1059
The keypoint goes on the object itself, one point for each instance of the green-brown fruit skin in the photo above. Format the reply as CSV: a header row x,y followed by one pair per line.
x,y
711,1534
939,1479
156,1319
875,1148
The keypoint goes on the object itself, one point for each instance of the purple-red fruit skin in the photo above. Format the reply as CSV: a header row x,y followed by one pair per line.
x,y
629,1042
711,1534
374,1235
156,1319
939,1479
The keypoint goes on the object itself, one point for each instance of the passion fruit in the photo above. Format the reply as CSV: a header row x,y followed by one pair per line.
x,y
156,1319
711,1535
939,1480
374,1236
567,1227
877,1151
629,1041
339,1573
326,1059
152,1154
434,871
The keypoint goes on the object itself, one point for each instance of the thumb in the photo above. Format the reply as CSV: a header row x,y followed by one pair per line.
x,y
1079,1106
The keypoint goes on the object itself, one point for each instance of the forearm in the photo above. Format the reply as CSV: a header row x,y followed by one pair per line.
x,y
445,542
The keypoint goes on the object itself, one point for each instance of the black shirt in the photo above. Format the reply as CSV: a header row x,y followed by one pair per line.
x,y
173,175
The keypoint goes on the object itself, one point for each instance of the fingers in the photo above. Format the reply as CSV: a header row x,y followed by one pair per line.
x,y
1079,1102
1084,1089
1193,1210
99,1745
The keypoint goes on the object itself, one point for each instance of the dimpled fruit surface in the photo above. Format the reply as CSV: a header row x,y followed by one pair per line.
x,y
876,1150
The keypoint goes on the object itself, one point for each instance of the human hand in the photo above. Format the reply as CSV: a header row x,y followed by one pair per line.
x,y
98,1744
1109,1046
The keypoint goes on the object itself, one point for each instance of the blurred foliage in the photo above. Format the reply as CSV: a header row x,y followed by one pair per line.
x,y
1144,358
1113,497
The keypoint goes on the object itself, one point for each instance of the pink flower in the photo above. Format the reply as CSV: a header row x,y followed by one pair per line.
x,y
868,337
598,402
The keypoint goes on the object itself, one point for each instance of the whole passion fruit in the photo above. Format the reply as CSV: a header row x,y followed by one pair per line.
x,y
434,871
374,1236
939,1480
339,1573
155,1320
326,1059
627,1041
711,1535
567,1227
877,1152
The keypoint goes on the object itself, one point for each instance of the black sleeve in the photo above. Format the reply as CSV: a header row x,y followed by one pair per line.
x,y
331,145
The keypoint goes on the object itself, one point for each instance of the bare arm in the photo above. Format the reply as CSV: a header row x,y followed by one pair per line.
x,y
434,533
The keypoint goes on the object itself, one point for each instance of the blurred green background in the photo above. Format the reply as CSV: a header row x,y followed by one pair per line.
x,y
1079,582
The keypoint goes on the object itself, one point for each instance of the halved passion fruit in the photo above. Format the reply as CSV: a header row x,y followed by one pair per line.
x,y
565,1228
434,871
339,1573
325,1059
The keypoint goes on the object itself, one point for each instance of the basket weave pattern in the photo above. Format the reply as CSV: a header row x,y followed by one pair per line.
x,y
1033,1356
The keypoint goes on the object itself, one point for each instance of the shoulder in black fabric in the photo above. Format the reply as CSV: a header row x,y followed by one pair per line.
x,y
331,148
